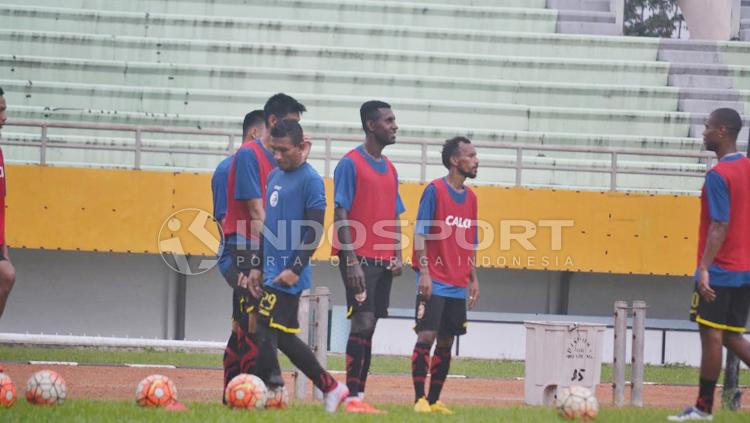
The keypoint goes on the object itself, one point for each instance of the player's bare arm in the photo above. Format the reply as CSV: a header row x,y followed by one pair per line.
x,y
355,277
717,233
425,280
396,265
473,289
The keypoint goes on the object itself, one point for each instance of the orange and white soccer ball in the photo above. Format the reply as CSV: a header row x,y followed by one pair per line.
x,y
246,391
7,391
577,402
155,391
278,398
46,387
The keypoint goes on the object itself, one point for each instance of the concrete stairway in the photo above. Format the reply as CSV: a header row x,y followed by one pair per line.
x,y
745,21
585,17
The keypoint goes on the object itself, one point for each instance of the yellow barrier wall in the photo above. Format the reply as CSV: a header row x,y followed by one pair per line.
x,y
124,211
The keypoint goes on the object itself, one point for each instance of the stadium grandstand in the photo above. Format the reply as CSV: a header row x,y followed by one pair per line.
x,y
591,157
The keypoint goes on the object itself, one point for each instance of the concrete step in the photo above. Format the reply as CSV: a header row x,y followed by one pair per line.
x,y
745,34
70,30
701,81
369,11
745,11
712,95
707,106
744,23
592,28
585,16
590,5
689,56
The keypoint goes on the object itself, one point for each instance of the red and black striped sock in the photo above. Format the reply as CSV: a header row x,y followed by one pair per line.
x,y
705,401
248,353
420,362
365,364
355,358
231,361
441,363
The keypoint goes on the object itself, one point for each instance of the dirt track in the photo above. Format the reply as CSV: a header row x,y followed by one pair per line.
x,y
118,383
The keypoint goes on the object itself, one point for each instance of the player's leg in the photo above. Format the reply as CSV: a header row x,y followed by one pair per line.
x,y
384,279
362,317
7,280
284,313
426,325
452,324
738,313
712,319
275,311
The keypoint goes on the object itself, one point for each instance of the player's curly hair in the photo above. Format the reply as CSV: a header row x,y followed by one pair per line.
x,y
369,111
451,147
2,93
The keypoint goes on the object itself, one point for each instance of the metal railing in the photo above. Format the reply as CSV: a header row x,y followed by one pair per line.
x,y
515,161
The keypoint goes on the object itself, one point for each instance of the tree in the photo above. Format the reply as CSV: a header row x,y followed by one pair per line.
x,y
652,18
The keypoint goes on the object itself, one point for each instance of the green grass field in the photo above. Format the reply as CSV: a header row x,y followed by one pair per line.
x,y
105,412
672,374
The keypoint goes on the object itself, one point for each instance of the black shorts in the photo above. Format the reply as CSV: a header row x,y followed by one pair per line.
x,y
446,316
243,304
378,280
278,310
727,312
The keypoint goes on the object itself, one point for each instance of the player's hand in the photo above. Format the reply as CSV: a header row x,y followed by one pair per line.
x,y
704,288
355,277
287,277
396,267
473,293
425,286
254,283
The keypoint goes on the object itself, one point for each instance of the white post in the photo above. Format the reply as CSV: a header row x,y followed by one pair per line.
x,y
618,362
319,325
618,8
303,314
639,333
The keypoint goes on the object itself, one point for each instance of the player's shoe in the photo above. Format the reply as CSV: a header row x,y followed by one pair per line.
x,y
334,398
440,408
691,413
422,406
354,405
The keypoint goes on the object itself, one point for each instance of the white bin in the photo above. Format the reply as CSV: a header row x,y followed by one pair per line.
x,y
560,354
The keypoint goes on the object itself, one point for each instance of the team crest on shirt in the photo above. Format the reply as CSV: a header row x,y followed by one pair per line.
x,y
274,199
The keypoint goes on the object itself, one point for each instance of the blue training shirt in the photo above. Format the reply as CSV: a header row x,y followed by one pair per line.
x,y
345,181
425,215
219,188
288,196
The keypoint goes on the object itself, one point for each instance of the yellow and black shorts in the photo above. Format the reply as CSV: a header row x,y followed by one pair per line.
x,y
278,310
727,312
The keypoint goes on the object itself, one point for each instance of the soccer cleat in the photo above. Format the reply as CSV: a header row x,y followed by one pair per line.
x,y
440,408
422,406
334,398
354,405
691,413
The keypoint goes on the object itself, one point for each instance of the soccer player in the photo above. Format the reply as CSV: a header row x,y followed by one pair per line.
x,y
246,185
445,237
7,271
367,203
252,128
295,206
722,279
